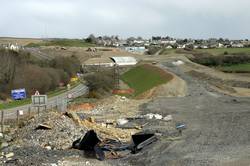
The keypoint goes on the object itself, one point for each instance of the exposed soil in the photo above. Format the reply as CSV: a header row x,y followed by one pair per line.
x,y
174,88
217,128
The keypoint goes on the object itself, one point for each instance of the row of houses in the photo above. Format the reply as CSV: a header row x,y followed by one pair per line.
x,y
202,44
136,44
10,46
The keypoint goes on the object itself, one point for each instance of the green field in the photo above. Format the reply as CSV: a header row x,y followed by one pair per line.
x,y
15,103
219,51
62,43
145,77
237,68
213,51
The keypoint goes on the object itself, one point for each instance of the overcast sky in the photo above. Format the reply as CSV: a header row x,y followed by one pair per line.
x,y
79,18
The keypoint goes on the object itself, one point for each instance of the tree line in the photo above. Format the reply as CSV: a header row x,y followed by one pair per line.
x,y
222,60
21,70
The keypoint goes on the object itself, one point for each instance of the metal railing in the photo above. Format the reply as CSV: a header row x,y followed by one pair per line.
x,y
60,103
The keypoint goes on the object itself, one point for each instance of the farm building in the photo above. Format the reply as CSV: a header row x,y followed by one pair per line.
x,y
104,62
109,62
124,61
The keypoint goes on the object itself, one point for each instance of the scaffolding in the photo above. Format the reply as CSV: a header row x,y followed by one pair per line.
x,y
116,77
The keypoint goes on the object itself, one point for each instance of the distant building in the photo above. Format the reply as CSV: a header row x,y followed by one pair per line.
x,y
221,45
110,62
238,45
13,47
169,47
124,61
101,62
168,42
135,49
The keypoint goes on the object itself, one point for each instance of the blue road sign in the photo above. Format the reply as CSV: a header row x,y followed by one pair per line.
x,y
18,94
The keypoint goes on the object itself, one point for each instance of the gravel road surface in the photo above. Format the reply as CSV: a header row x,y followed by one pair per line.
x,y
218,128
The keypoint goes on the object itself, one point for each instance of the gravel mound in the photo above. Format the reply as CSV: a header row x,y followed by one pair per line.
x,y
61,135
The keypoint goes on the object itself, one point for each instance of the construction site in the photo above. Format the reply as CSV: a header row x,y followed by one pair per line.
x,y
161,110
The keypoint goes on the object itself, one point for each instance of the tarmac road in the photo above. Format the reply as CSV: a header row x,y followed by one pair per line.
x,y
218,128
59,100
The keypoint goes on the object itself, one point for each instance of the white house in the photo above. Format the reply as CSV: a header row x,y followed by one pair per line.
x,y
169,47
238,45
221,45
13,47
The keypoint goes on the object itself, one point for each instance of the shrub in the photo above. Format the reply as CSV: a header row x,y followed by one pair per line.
x,y
32,78
152,50
54,76
222,60
20,70
100,83
70,65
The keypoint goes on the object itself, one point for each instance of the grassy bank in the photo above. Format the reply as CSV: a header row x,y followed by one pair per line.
x,y
219,51
145,77
166,51
15,103
237,68
62,43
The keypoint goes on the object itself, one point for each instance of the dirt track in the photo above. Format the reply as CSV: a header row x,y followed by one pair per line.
x,y
217,128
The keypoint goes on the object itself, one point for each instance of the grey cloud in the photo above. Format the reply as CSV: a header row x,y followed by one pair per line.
x,y
78,18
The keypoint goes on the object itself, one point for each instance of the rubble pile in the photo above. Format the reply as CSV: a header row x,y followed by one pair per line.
x,y
116,107
115,122
104,130
82,107
110,132
51,131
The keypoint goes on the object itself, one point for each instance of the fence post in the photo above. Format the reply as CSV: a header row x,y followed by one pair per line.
x,y
66,103
29,110
38,110
2,122
17,116
56,102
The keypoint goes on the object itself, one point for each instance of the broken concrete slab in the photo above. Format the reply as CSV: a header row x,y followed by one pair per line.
x,y
151,116
44,127
4,145
9,155
168,118
141,140
121,122
112,149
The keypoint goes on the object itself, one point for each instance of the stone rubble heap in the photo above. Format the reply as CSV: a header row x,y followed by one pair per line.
x,y
61,131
